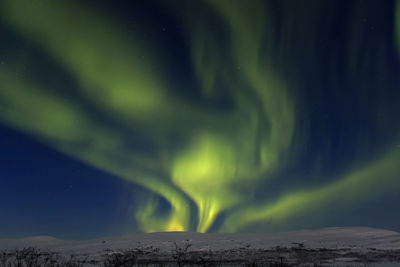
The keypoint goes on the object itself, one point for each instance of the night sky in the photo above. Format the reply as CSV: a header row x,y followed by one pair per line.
x,y
119,117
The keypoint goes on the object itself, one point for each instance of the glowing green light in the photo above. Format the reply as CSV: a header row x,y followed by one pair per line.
x,y
222,156
379,178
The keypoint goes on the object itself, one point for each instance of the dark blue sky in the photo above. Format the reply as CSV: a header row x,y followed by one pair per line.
x,y
210,116
44,192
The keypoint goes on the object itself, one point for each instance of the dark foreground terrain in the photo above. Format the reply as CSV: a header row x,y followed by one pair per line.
x,y
324,247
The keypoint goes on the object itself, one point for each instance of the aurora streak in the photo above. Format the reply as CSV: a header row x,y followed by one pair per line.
x,y
215,177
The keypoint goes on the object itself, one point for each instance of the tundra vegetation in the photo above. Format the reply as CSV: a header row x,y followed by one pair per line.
x,y
182,255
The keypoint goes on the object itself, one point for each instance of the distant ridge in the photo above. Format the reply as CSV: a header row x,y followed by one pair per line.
x,y
360,245
327,236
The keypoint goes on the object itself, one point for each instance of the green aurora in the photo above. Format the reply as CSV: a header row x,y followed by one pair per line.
x,y
212,178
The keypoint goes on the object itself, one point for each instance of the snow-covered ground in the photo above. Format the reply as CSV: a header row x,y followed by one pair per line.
x,y
351,246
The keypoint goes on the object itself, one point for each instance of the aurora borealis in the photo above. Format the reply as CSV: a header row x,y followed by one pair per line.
x,y
222,115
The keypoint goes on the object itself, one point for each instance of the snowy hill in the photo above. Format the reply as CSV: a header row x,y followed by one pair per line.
x,y
328,246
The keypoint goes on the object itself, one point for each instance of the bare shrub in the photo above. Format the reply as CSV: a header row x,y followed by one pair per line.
x,y
121,259
180,253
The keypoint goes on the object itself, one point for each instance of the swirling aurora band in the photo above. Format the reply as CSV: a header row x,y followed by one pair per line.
x,y
223,154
